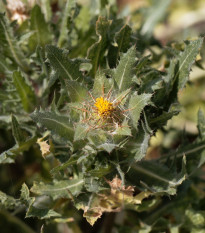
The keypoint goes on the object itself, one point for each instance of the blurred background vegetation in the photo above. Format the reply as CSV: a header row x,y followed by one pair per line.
x,y
168,21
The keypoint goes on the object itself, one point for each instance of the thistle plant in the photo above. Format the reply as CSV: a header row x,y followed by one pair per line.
x,y
81,103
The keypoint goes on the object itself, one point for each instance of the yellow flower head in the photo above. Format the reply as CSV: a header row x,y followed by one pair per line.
x,y
104,107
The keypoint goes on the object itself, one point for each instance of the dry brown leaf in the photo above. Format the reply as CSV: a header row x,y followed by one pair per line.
x,y
112,201
44,147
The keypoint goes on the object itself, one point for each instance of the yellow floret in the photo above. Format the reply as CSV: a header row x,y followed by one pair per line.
x,y
104,107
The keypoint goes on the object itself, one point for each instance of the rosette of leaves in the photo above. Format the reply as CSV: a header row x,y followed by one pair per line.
x,y
97,106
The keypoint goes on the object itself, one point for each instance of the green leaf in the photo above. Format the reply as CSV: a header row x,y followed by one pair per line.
x,y
42,35
179,69
59,189
25,194
70,5
57,124
96,51
10,45
142,143
65,67
16,130
76,91
8,202
153,15
41,213
125,70
121,44
91,184
109,147
81,132
123,130
136,105
102,84
25,91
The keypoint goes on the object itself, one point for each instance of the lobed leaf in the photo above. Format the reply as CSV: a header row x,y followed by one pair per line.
x,y
180,67
81,132
123,130
25,194
136,105
102,84
125,70
59,189
41,212
76,91
142,143
57,124
8,202
65,67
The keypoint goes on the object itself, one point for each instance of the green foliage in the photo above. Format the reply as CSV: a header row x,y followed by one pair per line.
x,y
80,106
136,105
58,124
41,33
97,50
9,45
65,67
124,72
67,16
59,189
25,92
